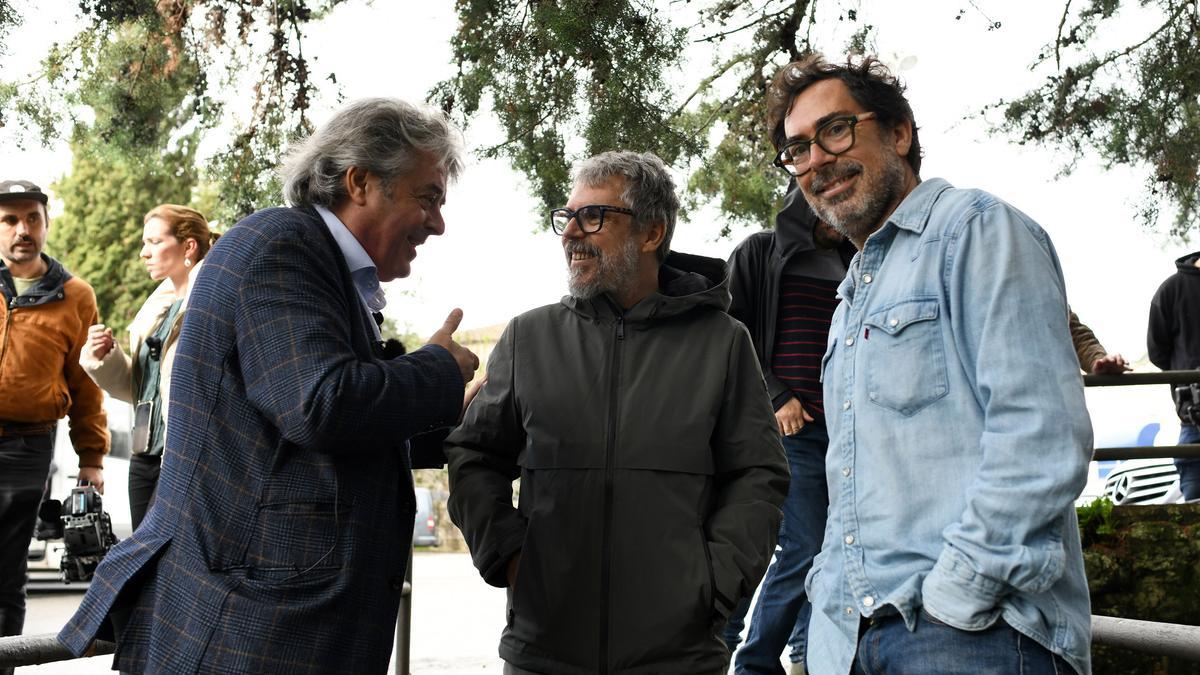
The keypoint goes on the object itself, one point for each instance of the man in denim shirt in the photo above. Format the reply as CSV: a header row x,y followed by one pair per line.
x,y
958,434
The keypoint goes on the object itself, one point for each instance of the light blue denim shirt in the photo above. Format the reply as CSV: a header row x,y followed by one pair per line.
x,y
958,436
362,269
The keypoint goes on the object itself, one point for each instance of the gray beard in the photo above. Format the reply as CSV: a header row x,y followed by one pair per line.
x,y
860,223
613,274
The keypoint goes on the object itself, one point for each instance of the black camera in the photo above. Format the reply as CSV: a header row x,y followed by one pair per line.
x,y
1187,402
85,528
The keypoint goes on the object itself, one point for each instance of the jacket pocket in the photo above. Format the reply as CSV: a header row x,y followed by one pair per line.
x,y
296,541
906,361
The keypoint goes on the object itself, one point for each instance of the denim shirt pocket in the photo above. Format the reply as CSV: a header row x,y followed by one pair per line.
x,y
906,360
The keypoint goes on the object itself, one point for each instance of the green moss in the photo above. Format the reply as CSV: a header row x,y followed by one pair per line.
x,y
1095,520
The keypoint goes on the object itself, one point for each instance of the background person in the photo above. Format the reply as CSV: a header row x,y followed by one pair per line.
x,y
283,521
784,287
175,240
1093,357
44,316
1173,342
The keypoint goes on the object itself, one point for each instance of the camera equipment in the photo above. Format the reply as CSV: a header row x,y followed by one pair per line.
x,y
86,531
1187,402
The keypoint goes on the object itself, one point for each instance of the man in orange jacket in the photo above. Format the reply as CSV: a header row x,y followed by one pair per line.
x,y
44,319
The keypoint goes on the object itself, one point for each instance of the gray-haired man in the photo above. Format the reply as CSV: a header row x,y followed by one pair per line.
x,y
277,541
636,416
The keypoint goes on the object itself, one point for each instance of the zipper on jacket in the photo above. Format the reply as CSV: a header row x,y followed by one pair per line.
x,y
606,538
12,305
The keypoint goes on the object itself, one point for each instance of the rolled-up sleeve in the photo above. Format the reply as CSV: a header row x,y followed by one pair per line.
x,y
1008,306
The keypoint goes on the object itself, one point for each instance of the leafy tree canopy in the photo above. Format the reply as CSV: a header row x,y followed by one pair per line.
x,y
571,78
557,72
603,72
1138,104
150,69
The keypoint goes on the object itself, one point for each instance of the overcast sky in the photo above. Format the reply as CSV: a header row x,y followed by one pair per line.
x,y
493,264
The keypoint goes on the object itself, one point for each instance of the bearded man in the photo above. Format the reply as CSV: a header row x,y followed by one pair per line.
x,y
958,436
636,416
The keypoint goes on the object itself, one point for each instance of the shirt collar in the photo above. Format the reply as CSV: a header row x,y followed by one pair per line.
x,y
362,268
913,212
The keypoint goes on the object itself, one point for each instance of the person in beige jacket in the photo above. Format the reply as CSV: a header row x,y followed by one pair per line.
x,y
174,241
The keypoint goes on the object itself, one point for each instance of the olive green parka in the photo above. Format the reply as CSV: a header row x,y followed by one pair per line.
x,y
651,478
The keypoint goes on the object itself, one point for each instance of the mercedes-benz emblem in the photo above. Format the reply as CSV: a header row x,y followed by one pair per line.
x,y
1121,489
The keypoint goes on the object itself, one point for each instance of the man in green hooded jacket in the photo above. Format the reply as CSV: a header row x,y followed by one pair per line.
x,y
636,416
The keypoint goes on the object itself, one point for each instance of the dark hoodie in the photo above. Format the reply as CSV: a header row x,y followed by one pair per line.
x,y
756,267
1173,340
651,478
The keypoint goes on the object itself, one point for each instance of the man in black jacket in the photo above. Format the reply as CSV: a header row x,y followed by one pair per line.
x,y
784,286
635,415
1173,342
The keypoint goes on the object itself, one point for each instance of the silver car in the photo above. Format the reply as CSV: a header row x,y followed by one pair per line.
x,y
1144,481
425,527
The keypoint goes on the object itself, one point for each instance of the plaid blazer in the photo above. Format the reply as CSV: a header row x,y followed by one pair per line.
x,y
279,535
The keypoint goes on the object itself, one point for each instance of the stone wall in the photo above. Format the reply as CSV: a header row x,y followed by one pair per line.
x,y
1143,562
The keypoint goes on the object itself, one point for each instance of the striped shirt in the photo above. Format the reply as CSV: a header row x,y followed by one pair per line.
x,y
806,306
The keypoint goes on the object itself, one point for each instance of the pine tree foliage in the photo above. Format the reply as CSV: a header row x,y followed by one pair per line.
x,y
1135,105
99,235
149,67
570,78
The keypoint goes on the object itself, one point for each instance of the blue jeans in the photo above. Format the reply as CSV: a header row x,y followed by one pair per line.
x,y
781,600
934,648
796,643
1189,467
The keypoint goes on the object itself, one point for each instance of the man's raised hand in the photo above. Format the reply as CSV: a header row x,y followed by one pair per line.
x,y
468,363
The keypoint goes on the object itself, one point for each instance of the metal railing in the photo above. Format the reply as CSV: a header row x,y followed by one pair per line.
x,y
1150,637
1130,379
34,650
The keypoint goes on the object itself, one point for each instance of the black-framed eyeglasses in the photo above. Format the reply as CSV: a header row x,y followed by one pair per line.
x,y
834,136
590,218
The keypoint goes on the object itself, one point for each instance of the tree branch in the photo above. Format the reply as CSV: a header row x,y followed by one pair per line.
x,y
509,141
755,22
707,82
1058,39
1126,52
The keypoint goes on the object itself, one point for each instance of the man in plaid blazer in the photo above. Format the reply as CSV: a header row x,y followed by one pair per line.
x,y
284,513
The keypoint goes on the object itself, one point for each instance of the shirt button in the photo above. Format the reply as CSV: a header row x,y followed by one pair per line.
x,y
894,322
846,471
849,611
866,278
846,405
868,601
849,539
849,341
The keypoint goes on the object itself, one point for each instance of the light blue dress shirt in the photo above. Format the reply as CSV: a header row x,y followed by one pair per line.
x,y
362,268
958,434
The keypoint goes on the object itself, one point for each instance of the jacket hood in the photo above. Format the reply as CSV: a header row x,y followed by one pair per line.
x,y
685,282
794,223
47,289
1187,264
